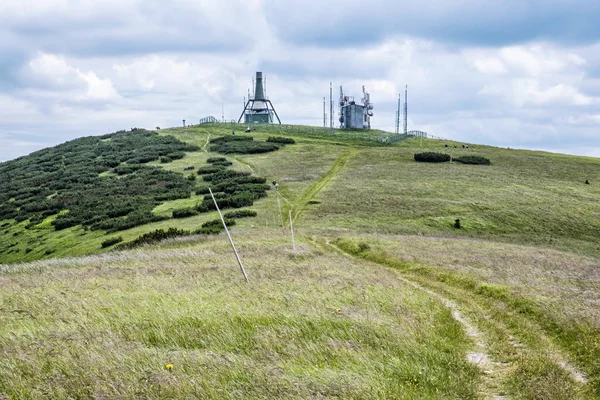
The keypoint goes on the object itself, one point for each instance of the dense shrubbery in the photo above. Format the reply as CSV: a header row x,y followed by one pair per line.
x,y
154,237
432,157
240,214
232,189
184,213
213,227
240,145
477,160
210,169
280,139
219,161
111,241
66,177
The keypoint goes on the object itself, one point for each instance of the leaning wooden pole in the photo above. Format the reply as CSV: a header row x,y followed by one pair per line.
x,y
292,230
229,236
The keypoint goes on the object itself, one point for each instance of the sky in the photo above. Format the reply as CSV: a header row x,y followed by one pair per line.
x,y
518,74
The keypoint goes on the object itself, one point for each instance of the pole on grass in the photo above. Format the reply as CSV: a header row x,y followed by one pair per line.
x,y
292,230
281,215
229,236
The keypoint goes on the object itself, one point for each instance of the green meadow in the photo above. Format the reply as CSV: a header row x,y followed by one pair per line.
x,y
382,296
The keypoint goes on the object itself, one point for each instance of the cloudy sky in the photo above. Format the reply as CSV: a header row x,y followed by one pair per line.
x,y
516,73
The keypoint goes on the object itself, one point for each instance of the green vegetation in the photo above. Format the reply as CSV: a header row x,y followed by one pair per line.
x,y
383,297
240,214
310,324
66,177
112,241
432,157
475,160
280,139
240,145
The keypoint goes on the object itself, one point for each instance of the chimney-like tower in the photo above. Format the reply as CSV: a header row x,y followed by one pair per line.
x,y
258,109
259,93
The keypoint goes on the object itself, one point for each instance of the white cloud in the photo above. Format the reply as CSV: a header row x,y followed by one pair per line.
x,y
54,73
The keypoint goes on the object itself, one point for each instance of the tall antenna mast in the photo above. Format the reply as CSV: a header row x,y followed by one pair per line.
x,y
265,85
222,112
330,108
324,115
253,88
398,113
406,110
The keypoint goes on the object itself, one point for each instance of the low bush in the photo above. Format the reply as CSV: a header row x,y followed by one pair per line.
x,y
243,147
475,160
217,223
154,237
213,160
111,241
224,174
232,138
165,160
280,139
209,169
240,214
432,157
184,213
219,161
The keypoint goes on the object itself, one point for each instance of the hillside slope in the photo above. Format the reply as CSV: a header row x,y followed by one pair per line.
x,y
515,291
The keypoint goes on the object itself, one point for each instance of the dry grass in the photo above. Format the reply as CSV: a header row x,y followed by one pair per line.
x,y
565,282
309,325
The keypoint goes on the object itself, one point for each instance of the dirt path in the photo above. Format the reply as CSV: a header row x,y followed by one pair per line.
x,y
313,190
493,371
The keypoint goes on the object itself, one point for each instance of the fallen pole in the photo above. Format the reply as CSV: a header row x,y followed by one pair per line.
x,y
229,236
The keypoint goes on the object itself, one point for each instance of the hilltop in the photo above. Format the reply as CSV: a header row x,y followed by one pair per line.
x,y
383,295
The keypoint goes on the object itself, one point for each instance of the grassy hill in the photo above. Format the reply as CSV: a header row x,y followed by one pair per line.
x,y
383,297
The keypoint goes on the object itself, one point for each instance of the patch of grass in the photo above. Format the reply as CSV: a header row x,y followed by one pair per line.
x,y
310,324
578,336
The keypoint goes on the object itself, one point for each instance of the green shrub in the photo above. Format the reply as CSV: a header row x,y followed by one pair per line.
x,y
232,138
243,147
165,160
213,160
476,160
191,177
184,213
111,241
224,174
240,214
432,157
209,169
154,237
217,223
280,139
219,161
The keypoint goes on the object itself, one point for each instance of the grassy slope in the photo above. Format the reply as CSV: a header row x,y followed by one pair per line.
x,y
310,324
527,198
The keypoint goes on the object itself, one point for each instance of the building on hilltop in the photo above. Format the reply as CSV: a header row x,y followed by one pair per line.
x,y
353,115
258,109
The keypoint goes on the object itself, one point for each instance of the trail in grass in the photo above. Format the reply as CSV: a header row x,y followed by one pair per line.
x,y
494,372
499,330
303,200
207,141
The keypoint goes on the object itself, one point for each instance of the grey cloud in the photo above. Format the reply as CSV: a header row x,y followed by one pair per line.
x,y
471,22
